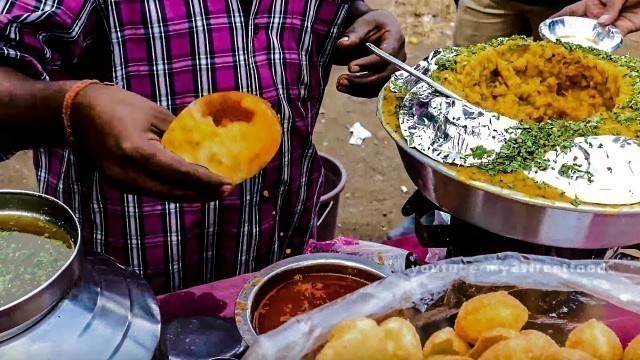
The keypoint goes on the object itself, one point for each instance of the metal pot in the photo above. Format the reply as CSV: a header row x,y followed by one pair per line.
x,y
22,313
513,214
266,280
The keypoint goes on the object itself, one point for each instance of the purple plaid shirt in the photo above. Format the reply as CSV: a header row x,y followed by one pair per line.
x,y
172,52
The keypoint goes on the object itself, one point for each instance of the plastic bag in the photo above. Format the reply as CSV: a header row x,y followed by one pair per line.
x,y
429,297
396,259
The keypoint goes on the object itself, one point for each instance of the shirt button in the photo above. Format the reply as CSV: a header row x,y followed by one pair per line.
x,y
256,30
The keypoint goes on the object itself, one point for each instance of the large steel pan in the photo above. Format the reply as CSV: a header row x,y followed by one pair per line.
x,y
17,316
514,214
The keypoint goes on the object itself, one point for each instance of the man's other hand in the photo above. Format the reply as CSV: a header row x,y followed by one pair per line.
x,y
367,72
623,14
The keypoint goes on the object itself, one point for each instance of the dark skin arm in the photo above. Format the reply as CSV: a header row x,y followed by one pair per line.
x,y
367,72
119,129
26,106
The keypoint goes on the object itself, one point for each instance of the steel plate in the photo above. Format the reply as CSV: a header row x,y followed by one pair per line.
x,y
582,31
111,313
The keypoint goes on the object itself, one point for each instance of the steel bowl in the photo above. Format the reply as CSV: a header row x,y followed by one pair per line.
x,y
514,214
26,311
582,31
269,278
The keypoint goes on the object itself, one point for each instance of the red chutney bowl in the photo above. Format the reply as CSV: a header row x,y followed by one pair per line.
x,y
298,285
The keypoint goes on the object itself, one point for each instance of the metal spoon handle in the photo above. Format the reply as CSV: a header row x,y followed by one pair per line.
x,y
413,72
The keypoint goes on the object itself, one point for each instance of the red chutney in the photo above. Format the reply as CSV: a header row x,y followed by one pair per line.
x,y
300,295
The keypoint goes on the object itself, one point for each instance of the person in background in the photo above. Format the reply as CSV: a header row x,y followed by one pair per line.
x,y
175,223
479,21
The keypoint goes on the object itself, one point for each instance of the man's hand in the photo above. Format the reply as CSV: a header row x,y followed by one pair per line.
x,y
367,72
122,132
623,14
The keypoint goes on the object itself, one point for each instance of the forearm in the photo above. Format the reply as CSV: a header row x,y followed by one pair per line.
x,y
30,111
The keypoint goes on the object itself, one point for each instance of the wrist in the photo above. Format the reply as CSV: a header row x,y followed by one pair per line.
x,y
50,98
74,107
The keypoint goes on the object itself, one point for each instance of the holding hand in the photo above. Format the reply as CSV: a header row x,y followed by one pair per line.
x,y
122,132
623,14
367,72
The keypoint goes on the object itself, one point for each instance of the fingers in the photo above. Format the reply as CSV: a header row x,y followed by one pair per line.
x,y
173,170
391,42
366,64
577,9
135,181
611,12
370,73
627,26
357,33
161,121
365,85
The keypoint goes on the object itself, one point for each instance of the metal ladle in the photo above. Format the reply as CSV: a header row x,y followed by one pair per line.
x,y
413,72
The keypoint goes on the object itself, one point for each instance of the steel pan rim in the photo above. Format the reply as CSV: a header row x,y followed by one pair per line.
x,y
71,266
632,209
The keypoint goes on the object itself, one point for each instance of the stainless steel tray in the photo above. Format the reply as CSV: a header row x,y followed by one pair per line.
x,y
110,313
514,214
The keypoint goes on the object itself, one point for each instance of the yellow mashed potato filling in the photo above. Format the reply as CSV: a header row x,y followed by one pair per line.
x,y
534,82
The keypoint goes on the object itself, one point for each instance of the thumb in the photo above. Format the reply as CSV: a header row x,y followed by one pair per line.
x,y
355,35
611,12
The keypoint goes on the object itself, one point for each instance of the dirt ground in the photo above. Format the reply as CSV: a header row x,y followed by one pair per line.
x,y
374,195
377,185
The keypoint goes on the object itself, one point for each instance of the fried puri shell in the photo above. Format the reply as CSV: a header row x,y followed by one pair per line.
x,y
597,340
231,133
445,342
489,311
521,347
362,338
490,338
568,354
632,352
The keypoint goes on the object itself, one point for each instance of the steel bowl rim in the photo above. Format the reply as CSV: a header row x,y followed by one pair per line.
x,y
632,209
69,261
249,290
544,33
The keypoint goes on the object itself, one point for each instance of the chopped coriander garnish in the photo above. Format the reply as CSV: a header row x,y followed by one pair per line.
x,y
576,202
574,171
529,149
479,152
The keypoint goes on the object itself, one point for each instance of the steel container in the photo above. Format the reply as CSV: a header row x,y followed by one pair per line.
x,y
268,279
26,311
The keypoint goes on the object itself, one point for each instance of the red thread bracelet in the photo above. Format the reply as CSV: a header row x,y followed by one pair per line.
x,y
69,98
